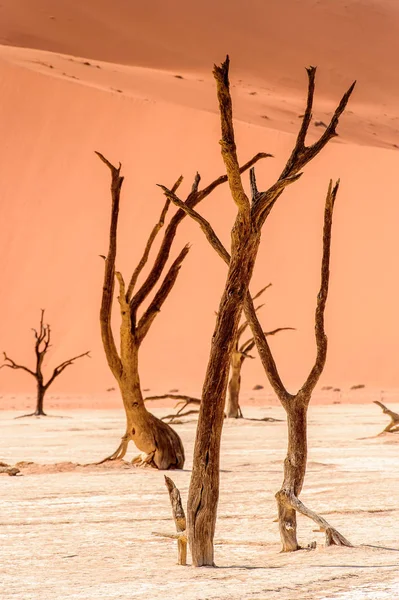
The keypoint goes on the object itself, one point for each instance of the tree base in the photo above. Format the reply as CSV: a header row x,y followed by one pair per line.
x,y
288,505
160,445
34,414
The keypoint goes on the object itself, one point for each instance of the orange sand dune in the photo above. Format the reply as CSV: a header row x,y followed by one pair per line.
x,y
55,204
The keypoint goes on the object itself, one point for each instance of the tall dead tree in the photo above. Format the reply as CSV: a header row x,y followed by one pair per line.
x,y
160,445
245,239
42,344
241,352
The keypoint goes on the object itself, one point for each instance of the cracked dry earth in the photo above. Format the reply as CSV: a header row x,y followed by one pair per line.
x,y
85,533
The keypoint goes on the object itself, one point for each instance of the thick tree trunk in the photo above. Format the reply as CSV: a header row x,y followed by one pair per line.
x,y
41,390
159,443
204,486
233,410
294,472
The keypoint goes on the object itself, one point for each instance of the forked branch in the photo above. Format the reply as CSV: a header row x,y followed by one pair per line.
x,y
157,227
11,364
301,154
195,197
58,370
154,308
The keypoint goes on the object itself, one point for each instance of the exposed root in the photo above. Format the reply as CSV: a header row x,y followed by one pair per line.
x,y
119,452
144,460
393,426
34,414
333,537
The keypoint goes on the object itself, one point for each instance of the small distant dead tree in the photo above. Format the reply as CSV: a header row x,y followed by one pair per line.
x,y
241,352
245,240
42,344
160,445
393,426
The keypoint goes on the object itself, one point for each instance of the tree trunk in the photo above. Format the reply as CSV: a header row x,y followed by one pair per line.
x,y
204,486
41,390
161,445
294,472
233,410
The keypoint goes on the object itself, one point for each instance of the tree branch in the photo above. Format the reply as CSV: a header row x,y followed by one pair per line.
x,y
321,338
14,365
301,154
155,306
58,370
150,242
194,198
204,224
229,152
111,352
249,344
264,351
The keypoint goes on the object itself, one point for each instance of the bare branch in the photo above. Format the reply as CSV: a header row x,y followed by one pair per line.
x,y
242,328
259,294
229,152
14,365
204,224
185,399
321,338
192,200
157,227
264,351
301,153
111,352
249,344
155,306
223,178
196,183
58,370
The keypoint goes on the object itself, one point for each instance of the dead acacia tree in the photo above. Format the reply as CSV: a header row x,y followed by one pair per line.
x,y
160,445
393,426
42,344
245,239
241,352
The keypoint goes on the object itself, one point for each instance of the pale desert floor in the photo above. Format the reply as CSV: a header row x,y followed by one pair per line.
x,y
85,533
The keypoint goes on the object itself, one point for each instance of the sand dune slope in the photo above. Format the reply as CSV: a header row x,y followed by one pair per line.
x,y
126,102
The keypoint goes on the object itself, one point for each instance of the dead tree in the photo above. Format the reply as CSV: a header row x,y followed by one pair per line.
x,y
241,352
296,405
42,344
393,426
160,445
184,401
245,239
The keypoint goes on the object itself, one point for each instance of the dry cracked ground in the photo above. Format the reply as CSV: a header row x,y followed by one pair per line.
x,y
85,532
